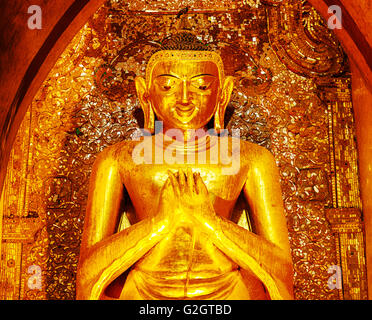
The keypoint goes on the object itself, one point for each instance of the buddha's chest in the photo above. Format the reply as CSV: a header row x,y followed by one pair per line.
x,y
144,184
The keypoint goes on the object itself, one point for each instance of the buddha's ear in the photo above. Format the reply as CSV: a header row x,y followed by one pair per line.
x,y
219,116
143,97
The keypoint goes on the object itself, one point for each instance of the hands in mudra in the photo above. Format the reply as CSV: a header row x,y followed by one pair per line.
x,y
184,198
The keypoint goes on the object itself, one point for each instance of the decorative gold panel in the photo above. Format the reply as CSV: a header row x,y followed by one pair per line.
x,y
299,108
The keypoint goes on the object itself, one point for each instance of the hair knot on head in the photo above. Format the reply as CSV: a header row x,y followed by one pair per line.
x,y
184,40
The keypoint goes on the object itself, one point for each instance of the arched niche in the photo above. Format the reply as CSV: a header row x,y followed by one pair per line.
x,y
73,19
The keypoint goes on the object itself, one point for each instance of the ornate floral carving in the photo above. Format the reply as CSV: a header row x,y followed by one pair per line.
x,y
302,41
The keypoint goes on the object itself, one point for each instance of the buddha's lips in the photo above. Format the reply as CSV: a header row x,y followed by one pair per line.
x,y
184,111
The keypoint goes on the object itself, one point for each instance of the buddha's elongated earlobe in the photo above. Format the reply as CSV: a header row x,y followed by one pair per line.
x,y
219,116
219,119
146,106
149,118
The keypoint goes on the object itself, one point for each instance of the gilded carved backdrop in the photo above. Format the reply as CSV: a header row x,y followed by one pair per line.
x,y
292,95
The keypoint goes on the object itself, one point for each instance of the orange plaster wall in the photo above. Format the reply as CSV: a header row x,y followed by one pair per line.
x,y
19,44
361,12
362,104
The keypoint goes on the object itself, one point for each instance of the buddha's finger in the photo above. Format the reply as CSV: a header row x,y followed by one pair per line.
x,y
166,185
174,183
202,189
165,192
190,181
197,187
182,181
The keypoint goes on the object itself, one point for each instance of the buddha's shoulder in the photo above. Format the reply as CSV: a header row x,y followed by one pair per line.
x,y
117,152
253,152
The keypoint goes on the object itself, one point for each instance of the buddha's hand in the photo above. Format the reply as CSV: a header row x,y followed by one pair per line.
x,y
192,203
165,214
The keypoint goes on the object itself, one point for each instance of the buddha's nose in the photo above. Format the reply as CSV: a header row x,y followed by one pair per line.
x,y
185,93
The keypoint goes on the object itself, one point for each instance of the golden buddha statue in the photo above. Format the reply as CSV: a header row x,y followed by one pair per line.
x,y
181,242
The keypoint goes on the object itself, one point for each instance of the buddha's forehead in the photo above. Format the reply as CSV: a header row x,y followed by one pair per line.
x,y
185,68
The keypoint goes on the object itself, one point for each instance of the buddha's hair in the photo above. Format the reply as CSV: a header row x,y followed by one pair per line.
x,y
184,40
183,45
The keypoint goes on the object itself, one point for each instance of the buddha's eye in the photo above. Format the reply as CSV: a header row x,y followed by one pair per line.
x,y
202,83
165,83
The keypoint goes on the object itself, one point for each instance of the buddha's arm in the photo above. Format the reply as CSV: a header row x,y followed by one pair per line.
x,y
266,253
271,264
105,255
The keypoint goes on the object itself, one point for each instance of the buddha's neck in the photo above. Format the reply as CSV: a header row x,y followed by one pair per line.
x,y
185,135
195,140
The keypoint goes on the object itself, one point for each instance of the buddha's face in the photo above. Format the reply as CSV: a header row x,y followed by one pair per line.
x,y
184,94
